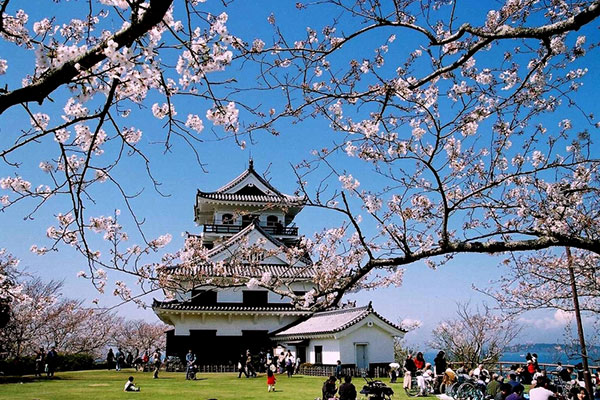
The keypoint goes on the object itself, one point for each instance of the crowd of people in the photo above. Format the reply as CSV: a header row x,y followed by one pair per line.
x,y
141,361
493,385
429,378
285,362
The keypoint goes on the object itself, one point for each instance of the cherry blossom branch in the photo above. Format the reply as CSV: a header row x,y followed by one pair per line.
x,y
64,74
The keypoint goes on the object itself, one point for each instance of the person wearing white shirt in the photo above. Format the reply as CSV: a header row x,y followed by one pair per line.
x,y
541,392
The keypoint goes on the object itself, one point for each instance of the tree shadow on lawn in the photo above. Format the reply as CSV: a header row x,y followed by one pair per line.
x,y
26,379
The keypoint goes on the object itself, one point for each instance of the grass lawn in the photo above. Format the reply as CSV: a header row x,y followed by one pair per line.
x,y
100,385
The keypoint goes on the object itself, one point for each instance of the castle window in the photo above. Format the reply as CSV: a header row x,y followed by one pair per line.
x,y
227,219
255,297
247,219
318,354
272,220
204,297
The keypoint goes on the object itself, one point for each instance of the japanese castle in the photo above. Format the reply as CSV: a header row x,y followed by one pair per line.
x,y
219,323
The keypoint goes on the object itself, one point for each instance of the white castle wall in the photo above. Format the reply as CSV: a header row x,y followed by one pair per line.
x,y
229,326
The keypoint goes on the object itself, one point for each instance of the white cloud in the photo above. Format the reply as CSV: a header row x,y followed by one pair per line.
x,y
559,319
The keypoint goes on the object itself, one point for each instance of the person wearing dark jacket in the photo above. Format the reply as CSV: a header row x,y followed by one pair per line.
x,y
329,390
440,367
110,359
410,370
347,391
505,390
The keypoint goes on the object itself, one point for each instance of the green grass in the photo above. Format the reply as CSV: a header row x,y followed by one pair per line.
x,y
100,385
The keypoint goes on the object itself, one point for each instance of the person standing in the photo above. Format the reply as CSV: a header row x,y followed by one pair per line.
x,y
120,358
242,366
129,359
409,371
281,362
297,368
289,365
156,361
145,360
441,365
250,364
110,359
338,371
51,361
190,359
347,391
39,361
270,380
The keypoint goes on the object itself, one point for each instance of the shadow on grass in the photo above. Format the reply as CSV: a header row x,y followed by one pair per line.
x,y
25,379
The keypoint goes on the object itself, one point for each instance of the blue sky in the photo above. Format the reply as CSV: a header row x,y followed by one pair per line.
x,y
426,295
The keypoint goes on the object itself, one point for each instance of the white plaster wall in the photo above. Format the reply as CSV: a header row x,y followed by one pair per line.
x,y
380,345
226,327
235,295
331,350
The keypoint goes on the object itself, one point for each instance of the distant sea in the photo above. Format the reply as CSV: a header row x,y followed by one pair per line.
x,y
550,357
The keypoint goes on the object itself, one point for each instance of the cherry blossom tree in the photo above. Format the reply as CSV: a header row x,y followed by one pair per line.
x,y
541,281
566,282
454,132
42,317
10,290
140,335
474,336
457,124
103,62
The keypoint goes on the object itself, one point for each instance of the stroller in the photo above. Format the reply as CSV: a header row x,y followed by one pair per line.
x,y
376,390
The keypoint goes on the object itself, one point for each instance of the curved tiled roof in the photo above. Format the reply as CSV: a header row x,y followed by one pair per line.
x,y
252,271
253,198
245,232
285,271
240,235
187,306
329,322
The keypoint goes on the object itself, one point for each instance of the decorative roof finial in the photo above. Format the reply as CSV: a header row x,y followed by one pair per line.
x,y
251,163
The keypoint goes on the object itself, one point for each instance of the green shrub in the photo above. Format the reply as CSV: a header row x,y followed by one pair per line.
x,y
65,362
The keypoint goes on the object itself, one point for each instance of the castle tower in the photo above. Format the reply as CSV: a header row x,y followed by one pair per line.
x,y
219,323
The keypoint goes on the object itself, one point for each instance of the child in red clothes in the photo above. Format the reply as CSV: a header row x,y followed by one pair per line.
x,y
270,380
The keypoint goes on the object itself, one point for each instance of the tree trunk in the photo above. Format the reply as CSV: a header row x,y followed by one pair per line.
x,y
586,369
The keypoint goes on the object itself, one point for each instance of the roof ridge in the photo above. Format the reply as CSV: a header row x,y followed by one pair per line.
x,y
233,239
343,310
249,171
233,182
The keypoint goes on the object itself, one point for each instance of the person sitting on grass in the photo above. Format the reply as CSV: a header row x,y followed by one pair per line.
x,y
503,392
347,390
130,387
329,390
517,393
